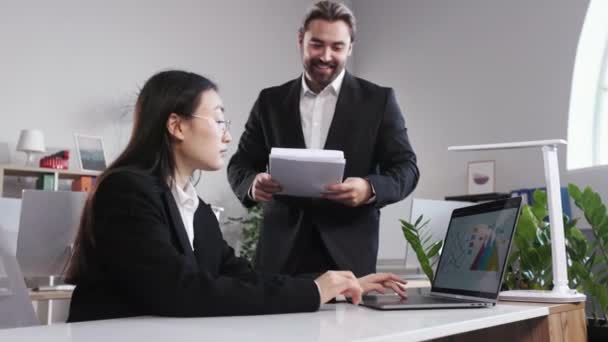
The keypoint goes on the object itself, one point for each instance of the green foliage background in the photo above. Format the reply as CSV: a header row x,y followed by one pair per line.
x,y
529,265
252,224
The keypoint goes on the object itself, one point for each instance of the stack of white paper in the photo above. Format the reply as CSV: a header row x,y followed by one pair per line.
x,y
306,172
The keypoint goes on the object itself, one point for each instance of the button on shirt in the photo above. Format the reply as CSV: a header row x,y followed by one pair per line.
x,y
187,202
317,111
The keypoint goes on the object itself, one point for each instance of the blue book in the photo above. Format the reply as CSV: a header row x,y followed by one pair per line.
x,y
528,197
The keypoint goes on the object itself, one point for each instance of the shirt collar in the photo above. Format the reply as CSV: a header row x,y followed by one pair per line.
x,y
334,86
187,197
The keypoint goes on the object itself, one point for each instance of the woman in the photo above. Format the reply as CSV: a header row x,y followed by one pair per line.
x,y
147,245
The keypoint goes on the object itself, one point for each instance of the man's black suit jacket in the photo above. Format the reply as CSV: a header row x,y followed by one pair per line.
x,y
141,262
369,128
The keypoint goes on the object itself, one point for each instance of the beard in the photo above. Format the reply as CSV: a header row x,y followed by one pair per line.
x,y
323,73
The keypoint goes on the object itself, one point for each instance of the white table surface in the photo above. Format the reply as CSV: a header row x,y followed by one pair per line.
x,y
334,322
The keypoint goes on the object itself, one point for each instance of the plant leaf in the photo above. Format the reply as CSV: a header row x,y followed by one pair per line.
x,y
435,248
418,220
526,226
412,235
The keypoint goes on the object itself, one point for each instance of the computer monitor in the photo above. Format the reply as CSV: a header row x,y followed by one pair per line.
x,y
391,242
9,224
439,213
47,228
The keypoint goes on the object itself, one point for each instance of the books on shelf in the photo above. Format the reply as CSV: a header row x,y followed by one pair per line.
x,y
45,181
83,183
527,195
59,160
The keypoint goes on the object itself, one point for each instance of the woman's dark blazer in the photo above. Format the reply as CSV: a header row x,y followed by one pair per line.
x,y
141,262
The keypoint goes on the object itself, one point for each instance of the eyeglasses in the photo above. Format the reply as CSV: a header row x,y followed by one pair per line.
x,y
223,125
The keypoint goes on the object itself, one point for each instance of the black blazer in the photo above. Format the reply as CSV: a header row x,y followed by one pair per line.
x,y
369,127
142,263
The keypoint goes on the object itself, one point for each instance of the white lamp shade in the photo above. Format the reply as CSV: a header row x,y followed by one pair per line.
x,y
31,140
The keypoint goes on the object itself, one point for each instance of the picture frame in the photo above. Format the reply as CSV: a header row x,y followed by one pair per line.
x,y
481,177
91,152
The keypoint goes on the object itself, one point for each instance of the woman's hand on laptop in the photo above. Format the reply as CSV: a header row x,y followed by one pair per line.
x,y
334,283
379,282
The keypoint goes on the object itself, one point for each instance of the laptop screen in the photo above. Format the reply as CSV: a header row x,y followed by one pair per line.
x,y
475,249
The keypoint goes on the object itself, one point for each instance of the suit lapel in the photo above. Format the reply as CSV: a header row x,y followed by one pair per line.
x,y
343,115
176,222
207,237
290,122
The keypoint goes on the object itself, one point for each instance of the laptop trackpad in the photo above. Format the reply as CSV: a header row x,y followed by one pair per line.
x,y
412,299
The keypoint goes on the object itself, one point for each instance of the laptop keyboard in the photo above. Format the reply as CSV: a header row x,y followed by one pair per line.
x,y
413,299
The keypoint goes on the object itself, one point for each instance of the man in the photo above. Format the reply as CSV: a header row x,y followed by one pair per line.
x,y
325,108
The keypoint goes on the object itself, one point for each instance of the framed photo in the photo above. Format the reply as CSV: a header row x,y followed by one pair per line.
x,y
91,154
481,177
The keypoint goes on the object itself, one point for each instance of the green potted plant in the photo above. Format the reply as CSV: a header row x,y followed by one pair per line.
x,y
593,273
252,224
529,263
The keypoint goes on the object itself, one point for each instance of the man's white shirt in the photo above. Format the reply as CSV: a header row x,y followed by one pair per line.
x,y
317,111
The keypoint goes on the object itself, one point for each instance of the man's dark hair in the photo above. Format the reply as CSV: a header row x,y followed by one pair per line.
x,y
330,11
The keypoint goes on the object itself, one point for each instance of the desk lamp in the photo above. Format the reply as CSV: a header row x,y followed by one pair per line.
x,y
561,292
31,141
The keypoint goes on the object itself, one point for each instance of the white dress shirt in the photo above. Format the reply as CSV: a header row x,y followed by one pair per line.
x,y
317,111
187,202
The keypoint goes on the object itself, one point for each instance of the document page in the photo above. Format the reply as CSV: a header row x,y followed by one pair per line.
x,y
306,172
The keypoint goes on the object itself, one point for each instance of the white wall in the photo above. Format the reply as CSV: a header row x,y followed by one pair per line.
x,y
69,66
473,72
465,72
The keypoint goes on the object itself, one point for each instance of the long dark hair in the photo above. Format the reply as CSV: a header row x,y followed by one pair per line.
x,y
149,149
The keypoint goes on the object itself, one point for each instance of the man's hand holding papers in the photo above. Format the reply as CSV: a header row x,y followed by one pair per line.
x,y
310,173
306,172
353,192
264,187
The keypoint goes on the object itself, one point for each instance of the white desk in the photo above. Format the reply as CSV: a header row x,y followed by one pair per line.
x,y
334,322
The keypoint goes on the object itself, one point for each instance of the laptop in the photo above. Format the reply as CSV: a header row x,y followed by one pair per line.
x,y
472,261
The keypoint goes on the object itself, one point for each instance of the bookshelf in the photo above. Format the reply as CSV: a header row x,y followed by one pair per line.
x,y
30,171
